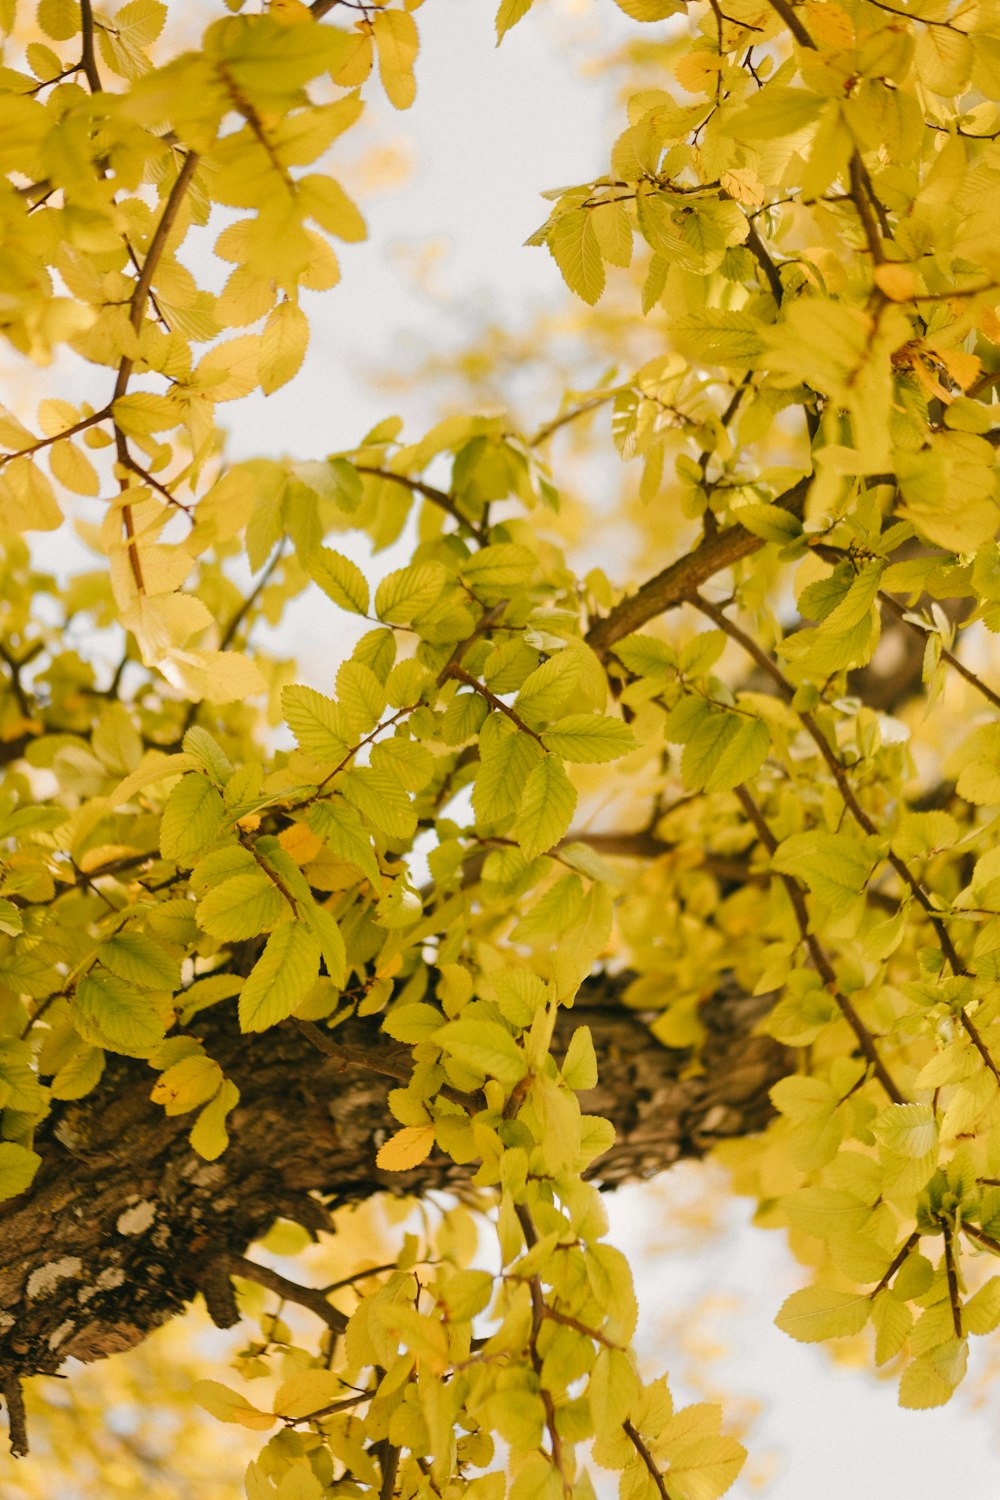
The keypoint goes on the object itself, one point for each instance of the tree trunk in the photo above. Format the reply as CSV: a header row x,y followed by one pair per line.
x,y
125,1222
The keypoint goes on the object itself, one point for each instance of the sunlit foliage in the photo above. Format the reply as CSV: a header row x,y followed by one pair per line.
x,y
800,212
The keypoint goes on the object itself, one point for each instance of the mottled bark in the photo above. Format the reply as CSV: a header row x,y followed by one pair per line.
x,y
124,1222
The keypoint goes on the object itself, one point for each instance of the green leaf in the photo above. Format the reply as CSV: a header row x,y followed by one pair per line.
x,y
835,866
506,758
908,1129
497,568
324,929
741,757
818,1312
317,723
547,805
242,907
379,795
18,1166
339,826
932,1379
404,595
339,577
111,1014
485,1048
589,738
281,978
192,819
981,1313
141,961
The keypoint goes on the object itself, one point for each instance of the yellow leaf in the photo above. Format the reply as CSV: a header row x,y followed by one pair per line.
x,y
27,500
407,1148
283,346
897,282
228,1406
397,43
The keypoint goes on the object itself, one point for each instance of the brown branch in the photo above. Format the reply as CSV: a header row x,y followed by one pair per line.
x,y
635,1439
430,492
454,670
952,1274
14,1397
859,197
57,437
157,245
896,1262
980,1045
304,1135
793,23
824,967
88,60
573,415
308,1297
761,254
677,583
839,773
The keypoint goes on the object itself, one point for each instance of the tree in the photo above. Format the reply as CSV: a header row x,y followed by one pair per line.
x,y
241,983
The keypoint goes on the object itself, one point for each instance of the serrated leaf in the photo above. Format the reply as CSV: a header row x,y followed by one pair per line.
x,y
242,907
229,1406
510,12
111,1014
139,959
316,722
908,1129
484,1047
818,1312
283,346
379,795
341,578
192,819
339,826
406,1149
407,593
281,978
589,738
575,250
547,805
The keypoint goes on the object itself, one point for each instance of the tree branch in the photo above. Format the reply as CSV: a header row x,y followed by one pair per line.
x,y
125,1222
678,582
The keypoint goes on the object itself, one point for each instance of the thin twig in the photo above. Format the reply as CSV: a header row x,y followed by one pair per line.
x,y
308,1297
430,492
454,670
820,960
640,1447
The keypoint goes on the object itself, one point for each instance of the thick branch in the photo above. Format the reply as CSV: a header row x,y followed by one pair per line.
x,y
125,1223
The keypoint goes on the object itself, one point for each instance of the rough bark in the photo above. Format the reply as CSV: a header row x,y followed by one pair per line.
x,y
124,1222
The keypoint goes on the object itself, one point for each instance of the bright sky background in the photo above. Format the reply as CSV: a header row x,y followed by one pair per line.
x,y
489,131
